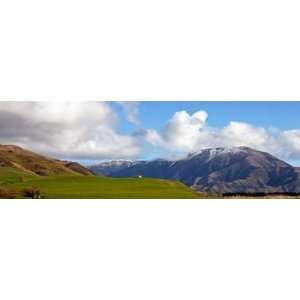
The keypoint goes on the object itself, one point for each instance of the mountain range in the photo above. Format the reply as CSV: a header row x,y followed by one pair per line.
x,y
213,170
217,170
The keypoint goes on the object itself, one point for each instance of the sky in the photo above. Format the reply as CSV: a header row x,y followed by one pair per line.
x,y
96,131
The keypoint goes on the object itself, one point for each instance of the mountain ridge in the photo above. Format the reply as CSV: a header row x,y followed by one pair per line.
x,y
221,170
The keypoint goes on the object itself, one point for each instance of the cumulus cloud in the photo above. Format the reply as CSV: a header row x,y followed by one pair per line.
x,y
78,130
131,110
183,131
290,140
189,133
244,134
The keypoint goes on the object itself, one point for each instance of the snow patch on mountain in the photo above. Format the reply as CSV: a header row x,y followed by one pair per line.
x,y
214,152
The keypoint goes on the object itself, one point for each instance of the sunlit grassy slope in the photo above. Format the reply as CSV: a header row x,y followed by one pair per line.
x,y
93,187
11,175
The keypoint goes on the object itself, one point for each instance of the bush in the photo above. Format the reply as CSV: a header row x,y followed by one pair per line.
x,y
6,194
32,192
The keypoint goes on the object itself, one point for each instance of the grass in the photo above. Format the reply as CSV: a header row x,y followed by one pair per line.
x,y
93,187
11,175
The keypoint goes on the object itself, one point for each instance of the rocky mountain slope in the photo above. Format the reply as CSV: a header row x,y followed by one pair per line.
x,y
27,161
220,170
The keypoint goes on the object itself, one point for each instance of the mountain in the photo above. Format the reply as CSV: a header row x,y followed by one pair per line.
x,y
108,167
29,162
219,170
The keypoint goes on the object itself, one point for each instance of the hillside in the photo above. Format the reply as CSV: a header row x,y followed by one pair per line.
x,y
221,170
93,187
21,169
32,163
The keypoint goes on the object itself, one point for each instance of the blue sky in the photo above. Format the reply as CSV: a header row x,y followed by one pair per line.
x,y
282,115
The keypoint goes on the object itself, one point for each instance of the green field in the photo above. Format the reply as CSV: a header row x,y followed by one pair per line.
x,y
93,187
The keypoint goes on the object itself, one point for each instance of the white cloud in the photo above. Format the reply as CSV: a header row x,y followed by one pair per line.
x,y
290,140
79,130
131,110
244,134
182,132
189,133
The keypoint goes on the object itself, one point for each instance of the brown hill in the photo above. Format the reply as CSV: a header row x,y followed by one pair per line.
x,y
78,168
30,162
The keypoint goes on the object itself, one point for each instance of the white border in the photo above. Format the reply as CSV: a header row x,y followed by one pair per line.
x,y
141,50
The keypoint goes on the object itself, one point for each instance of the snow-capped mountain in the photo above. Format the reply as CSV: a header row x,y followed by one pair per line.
x,y
108,167
220,170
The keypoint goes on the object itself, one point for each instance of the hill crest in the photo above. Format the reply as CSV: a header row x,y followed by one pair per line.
x,y
30,162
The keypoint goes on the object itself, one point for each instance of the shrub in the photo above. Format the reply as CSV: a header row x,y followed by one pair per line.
x,y
6,194
32,192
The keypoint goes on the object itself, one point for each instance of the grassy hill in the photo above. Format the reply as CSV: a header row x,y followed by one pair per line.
x,y
93,187
32,163
21,169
